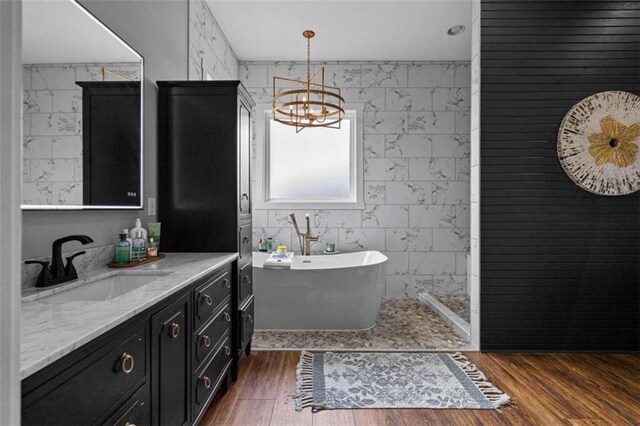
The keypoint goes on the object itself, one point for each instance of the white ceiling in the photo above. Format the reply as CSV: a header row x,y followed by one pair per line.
x,y
60,31
351,30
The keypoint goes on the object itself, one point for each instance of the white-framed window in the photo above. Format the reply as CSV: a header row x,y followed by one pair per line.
x,y
318,168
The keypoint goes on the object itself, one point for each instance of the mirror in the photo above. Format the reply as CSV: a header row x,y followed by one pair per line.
x,y
82,111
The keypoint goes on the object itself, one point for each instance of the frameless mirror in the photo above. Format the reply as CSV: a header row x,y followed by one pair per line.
x,y
82,111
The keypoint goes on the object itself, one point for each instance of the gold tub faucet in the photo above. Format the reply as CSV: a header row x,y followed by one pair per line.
x,y
306,238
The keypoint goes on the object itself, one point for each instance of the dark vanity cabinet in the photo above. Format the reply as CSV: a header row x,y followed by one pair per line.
x,y
162,367
170,360
204,182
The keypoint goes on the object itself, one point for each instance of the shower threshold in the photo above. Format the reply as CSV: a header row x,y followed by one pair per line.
x,y
457,323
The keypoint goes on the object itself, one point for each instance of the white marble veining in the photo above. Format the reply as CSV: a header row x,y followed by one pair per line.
x,y
416,168
53,329
210,54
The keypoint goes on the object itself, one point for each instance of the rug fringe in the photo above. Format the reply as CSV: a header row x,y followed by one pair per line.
x,y
491,392
304,381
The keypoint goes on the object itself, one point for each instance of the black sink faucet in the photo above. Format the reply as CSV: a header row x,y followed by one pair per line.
x,y
59,273
57,267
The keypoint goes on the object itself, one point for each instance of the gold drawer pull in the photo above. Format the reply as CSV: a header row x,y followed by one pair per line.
x,y
245,240
206,341
247,278
206,382
174,330
127,363
129,424
227,283
227,317
207,299
227,350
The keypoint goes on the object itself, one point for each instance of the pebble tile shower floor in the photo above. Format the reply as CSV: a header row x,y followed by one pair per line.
x,y
402,325
460,305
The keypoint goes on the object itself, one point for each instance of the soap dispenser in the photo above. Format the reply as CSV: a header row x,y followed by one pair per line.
x,y
125,231
138,228
123,249
139,247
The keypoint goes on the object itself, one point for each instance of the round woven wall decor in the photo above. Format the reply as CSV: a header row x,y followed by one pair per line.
x,y
599,143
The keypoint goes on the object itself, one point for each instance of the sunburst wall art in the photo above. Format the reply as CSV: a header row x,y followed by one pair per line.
x,y
599,143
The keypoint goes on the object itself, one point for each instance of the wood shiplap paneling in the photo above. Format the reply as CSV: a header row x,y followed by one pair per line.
x,y
560,267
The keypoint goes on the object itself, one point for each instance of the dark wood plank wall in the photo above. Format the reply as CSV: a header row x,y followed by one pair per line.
x,y
559,266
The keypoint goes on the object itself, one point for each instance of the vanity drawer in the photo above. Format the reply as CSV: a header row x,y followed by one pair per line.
x,y
245,288
210,296
246,324
83,394
207,381
245,241
133,412
207,340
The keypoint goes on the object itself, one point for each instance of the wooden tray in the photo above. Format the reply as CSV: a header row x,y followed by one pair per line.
x,y
136,262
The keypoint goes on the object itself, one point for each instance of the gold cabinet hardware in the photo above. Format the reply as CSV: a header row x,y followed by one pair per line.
x,y
227,350
247,278
126,363
227,283
250,319
206,341
174,330
227,317
206,382
129,424
207,299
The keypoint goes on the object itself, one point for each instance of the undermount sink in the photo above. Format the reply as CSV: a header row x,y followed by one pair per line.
x,y
105,288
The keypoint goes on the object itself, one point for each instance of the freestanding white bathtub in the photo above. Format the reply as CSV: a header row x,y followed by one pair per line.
x,y
328,292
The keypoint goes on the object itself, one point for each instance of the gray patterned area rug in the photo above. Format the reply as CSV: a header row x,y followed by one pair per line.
x,y
348,380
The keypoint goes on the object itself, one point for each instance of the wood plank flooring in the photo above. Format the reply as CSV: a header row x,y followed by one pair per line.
x,y
548,389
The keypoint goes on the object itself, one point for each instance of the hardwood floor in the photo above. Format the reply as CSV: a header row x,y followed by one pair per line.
x,y
548,389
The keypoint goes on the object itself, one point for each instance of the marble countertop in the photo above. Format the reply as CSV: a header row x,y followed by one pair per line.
x,y
50,329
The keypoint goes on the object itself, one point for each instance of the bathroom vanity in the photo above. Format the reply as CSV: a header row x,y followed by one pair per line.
x,y
153,349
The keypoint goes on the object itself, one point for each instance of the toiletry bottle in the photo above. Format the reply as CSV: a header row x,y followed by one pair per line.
x,y
122,250
270,244
129,240
260,245
139,248
138,228
152,250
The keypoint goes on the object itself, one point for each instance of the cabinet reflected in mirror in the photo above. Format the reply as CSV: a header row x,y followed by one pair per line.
x,y
82,111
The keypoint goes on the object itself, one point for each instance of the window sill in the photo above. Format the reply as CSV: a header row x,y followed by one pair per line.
x,y
272,205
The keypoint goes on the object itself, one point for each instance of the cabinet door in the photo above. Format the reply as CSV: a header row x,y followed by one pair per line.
x,y
171,374
244,136
246,324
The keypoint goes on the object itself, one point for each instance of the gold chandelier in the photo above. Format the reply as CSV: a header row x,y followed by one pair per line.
x,y
308,103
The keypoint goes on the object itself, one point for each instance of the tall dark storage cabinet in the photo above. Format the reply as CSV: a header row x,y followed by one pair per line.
x,y
204,194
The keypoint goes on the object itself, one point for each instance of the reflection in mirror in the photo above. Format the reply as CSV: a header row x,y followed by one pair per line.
x,y
82,114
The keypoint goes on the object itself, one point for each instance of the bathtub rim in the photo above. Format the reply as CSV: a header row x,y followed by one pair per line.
x,y
330,330
258,261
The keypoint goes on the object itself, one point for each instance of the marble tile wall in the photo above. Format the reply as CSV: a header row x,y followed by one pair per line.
x,y
52,128
474,273
210,55
416,170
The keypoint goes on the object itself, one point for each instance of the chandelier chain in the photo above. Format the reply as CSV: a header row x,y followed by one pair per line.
x,y
308,59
